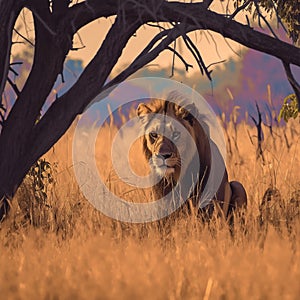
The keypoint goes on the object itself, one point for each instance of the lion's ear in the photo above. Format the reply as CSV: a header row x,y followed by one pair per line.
x,y
143,110
188,112
192,109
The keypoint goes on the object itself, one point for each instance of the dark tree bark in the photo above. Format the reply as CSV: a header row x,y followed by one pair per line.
x,y
22,140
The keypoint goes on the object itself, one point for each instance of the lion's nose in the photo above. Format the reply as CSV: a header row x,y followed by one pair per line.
x,y
165,155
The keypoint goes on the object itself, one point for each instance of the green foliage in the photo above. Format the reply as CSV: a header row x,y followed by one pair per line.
x,y
289,108
287,11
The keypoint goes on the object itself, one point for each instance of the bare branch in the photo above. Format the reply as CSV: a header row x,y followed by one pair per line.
x,y
176,53
13,71
85,12
63,111
216,63
147,56
81,42
243,34
231,48
214,42
23,37
173,59
260,134
158,37
190,14
16,63
260,15
157,26
195,52
14,86
293,82
239,9
77,48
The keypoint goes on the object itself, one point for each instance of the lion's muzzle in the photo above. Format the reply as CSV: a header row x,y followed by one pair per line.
x,y
164,163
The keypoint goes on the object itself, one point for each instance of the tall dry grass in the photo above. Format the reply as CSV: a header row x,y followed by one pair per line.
x,y
63,248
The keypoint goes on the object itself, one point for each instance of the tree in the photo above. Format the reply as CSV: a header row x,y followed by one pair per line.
x,y
23,140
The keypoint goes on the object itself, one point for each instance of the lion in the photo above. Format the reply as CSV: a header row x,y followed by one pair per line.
x,y
163,141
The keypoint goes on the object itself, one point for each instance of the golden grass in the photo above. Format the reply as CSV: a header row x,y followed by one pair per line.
x,y
66,249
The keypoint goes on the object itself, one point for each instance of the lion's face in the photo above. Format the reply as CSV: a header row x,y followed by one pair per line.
x,y
168,129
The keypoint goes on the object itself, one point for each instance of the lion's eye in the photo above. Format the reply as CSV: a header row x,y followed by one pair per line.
x,y
176,135
153,135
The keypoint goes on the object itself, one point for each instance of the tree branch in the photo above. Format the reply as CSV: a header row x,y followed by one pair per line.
x,y
190,13
196,53
14,86
239,9
9,11
83,13
260,15
24,37
64,110
147,56
193,14
176,53
293,82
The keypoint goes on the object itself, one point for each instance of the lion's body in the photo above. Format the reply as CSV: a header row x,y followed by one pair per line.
x,y
168,148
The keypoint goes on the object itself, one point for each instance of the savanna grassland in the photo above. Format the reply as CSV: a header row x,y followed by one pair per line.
x,y
59,247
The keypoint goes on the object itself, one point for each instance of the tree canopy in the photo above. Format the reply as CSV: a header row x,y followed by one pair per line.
x,y
23,140
287,13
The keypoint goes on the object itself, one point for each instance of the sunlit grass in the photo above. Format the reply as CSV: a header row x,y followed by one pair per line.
x,y
64,248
